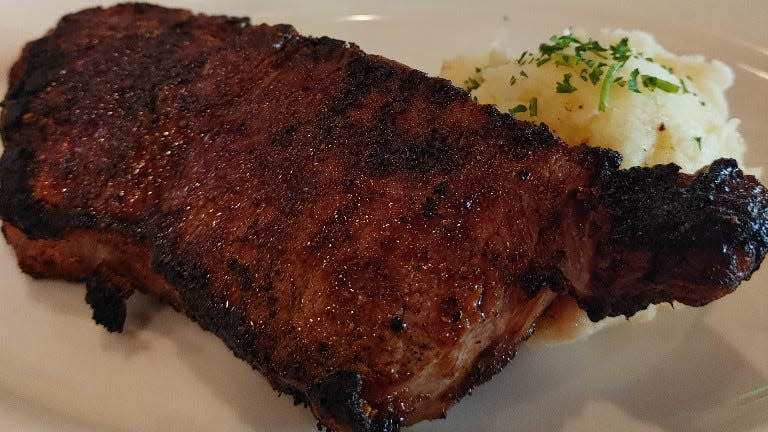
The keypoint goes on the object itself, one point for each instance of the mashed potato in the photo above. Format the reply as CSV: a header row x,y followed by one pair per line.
x,y
621,90
690,127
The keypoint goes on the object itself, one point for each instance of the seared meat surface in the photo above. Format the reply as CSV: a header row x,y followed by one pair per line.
x,y
370,239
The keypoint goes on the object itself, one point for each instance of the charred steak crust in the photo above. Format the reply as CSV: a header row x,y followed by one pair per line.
x,y
338,396
44,62
676,237
367,237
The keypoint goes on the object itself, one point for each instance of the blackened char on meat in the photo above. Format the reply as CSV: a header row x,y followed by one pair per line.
x,y
370,239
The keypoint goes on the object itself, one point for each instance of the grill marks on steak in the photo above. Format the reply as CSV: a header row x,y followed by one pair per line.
x,y
369,238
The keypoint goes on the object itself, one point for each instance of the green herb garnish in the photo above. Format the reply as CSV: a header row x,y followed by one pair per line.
x,y
596,73
521,60
590,46
565,86
559,43
471,84
757,393
518,109
533,107
605,90
621,51
567,60
652,83
632,83
698,141
595,64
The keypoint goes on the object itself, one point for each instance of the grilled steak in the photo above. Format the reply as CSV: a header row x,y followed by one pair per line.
x,y
370,239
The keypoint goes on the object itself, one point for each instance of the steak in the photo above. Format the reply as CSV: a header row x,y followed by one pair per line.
x,y
369,238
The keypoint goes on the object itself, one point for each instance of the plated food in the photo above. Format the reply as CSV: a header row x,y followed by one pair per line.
x,y
167,213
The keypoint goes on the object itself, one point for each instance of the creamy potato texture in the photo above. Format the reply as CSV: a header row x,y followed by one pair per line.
x,y
690,127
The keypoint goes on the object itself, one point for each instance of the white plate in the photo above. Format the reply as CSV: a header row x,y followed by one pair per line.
x,y
683,371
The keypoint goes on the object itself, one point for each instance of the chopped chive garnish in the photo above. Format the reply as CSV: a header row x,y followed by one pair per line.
x,y
632,83
759,392
595,74
621,51
698,141
518,109
652,83
533,107
522,56
542,60
595,64
592,46
605,90
565,86
471,84
567,60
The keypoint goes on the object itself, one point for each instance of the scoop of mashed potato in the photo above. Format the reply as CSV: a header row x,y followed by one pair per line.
x,y
620,90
